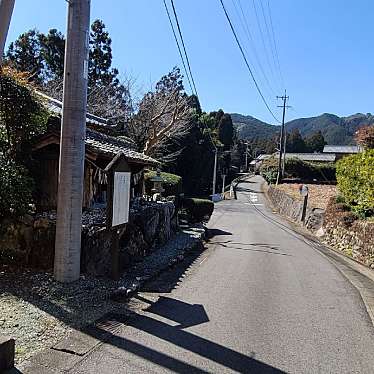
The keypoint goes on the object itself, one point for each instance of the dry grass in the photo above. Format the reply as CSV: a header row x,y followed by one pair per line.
x,y
319,194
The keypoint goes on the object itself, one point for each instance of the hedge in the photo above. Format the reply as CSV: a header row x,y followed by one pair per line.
x,y
310,170
172,183
296,168
355,177
199,210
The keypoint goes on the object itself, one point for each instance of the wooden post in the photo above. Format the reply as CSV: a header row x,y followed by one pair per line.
x,y
117,165
305,204
114,254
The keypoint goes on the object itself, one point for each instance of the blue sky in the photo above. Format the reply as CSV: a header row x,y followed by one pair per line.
x,y
325,49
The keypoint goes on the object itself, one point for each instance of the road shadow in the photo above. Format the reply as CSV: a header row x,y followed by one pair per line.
x,y
211,233
168,280
185,314
108,330
172,310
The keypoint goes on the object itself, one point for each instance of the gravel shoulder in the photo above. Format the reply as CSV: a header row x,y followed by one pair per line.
x,y
38,311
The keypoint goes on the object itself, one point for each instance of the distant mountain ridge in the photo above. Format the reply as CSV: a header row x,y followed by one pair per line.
x,y
336,130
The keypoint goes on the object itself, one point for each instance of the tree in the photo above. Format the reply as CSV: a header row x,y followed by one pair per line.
x,y
316,142
365,136
24,55
295,142
52,48
22,115
100,57
226,130
163,118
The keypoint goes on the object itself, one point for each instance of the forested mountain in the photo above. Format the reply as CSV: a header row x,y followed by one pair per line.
x,y
336,130
249,127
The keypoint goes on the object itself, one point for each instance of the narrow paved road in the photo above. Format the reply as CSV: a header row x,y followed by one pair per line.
x,y
262,301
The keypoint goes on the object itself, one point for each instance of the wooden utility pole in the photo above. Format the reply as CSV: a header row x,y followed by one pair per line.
x,y
282,141
6,10
246,156
72,148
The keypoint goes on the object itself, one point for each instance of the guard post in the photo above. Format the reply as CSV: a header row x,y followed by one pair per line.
x,y
118,203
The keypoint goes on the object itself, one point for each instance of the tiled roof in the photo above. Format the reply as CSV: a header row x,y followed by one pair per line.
x,y
341,149
99,142
55,106
324,157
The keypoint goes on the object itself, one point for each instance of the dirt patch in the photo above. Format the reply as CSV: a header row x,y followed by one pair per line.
x,y
319,194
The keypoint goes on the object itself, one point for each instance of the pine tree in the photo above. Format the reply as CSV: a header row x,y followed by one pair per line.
x,y
52,48
100,57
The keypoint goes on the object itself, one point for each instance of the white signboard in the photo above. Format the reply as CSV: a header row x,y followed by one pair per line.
x,y
121,198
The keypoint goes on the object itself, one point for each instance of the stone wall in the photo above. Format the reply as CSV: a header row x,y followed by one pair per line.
x,y
346,233
30,241
149,226
292,208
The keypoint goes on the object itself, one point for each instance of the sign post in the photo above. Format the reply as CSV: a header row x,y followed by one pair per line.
x,y
119,181
304,191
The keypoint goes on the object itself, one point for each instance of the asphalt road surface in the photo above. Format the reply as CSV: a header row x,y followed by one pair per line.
x,y
259,300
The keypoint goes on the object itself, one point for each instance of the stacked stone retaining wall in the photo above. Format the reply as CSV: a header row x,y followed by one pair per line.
x,y
352,236
30,240
292,208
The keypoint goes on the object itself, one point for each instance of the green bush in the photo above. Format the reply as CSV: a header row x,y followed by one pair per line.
x,y
172,183
16,188
355,177
199,210
296,168
269,170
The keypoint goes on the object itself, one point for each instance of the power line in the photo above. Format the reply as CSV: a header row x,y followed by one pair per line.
x,y
184,47
253,44
275,44
178,46
246,62
263,40
270,40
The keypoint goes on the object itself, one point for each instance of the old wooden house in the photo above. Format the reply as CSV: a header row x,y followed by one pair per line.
x,y
100,150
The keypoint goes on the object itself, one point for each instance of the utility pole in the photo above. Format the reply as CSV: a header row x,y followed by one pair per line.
x,y
246,157
215,170
6,10
282,141
72,147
